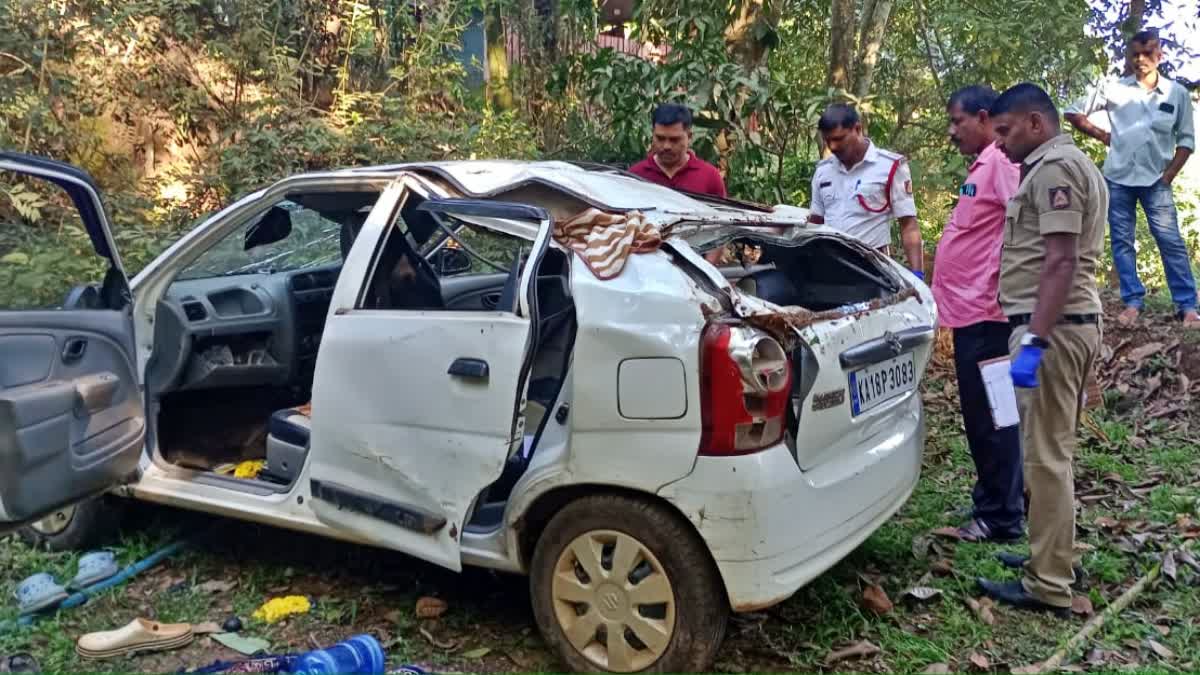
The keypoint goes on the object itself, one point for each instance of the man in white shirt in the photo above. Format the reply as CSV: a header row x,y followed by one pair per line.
x,y
1152,137
860,188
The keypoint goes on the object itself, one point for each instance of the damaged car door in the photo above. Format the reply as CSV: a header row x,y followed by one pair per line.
x,y
417,405
72,421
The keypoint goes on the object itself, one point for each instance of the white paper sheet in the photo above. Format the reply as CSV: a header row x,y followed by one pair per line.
x,y
1002,397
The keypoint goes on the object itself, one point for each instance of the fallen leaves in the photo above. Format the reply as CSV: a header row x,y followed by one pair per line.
x,y
1160,650
982,608
1082,605
216,586
943,567
979,661
936,669
922,593
1169,569
858,650
1139,354
448,645
477,653
431,608
948,532
876,599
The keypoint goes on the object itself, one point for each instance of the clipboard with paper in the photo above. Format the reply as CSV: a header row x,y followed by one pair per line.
x,y
1001,395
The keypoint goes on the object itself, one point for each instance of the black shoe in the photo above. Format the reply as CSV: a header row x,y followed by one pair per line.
x,y
1014,593
1017,561
977,531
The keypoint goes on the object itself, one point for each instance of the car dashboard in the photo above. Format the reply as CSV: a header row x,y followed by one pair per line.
x,y
241,330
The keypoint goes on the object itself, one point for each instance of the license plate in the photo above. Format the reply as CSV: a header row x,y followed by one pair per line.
x,y
871,386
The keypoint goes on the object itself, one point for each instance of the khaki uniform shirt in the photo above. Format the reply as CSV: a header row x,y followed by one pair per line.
x,y
1061,192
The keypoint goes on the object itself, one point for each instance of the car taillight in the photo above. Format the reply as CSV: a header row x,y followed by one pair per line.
x,y
745,384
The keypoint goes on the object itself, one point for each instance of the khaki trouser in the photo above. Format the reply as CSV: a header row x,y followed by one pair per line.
x,y
1050,416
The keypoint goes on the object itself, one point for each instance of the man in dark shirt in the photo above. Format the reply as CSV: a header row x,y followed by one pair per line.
x,y
671,161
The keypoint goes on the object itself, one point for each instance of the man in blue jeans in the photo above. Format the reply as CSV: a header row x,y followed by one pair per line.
x,y
1152,137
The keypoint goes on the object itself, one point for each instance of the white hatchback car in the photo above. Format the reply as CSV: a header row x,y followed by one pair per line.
x,y
428,360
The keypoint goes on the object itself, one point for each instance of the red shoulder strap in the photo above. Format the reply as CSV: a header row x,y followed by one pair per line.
x,y
887,191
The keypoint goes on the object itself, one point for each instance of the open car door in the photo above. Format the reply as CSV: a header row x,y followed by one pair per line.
x,y
72,421
415,411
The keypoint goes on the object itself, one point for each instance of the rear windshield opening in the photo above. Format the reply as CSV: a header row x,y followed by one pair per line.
x,y
819,275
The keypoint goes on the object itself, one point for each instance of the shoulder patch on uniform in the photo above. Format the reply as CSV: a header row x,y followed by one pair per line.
x,y
908,187
1060,197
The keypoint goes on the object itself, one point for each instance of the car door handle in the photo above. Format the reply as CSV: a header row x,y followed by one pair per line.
x,y
74,350
476,369
490,301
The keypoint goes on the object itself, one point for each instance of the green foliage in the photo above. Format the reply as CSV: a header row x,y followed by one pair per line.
x,y
178,106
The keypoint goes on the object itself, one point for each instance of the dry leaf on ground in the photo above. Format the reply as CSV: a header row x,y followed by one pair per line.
x,y
858,650
448,645
943,567
982,609
1082,605
920,547
431,608
948,532
875,599
936,669
216,586
979,661
1169,568
1139,354
1160,649
922,593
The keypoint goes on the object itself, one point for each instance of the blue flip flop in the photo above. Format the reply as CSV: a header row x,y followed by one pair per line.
x,y
94,567
38,592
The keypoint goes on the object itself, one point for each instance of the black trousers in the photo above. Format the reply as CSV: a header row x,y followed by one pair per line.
x,y
999,493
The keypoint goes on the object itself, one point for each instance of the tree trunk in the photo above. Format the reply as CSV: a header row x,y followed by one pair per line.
x,y
750,35
874,24
1129,27
841,43
499,87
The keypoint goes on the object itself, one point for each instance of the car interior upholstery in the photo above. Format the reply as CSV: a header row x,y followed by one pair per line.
x,y
235,355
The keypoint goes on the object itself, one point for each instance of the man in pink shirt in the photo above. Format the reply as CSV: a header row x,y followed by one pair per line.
x,y
965,285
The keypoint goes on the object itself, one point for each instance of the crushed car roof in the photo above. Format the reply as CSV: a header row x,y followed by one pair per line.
x,y
602,187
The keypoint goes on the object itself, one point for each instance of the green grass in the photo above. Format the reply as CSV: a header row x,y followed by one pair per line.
x,y
357,590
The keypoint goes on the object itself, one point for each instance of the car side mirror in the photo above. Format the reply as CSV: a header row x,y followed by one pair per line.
x,y
275,225
450,261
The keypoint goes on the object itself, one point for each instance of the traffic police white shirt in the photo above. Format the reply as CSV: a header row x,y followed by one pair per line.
x,y
856,200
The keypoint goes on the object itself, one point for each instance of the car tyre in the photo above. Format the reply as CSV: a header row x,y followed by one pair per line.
x,y
670,606
79,527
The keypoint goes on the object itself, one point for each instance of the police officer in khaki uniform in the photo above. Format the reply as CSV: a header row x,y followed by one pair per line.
x,y
1053,239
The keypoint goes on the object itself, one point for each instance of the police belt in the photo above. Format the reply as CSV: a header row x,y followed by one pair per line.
x,y
1074,319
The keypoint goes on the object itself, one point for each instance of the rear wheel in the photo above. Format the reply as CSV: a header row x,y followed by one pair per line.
x,y
78,527
625,585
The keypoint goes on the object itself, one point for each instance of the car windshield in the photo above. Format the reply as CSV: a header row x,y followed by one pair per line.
x,y
301,238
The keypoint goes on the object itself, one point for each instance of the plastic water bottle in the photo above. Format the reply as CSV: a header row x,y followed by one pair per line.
x,y
361,655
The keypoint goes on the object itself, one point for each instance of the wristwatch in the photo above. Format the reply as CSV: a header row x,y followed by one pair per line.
x,y
1031,339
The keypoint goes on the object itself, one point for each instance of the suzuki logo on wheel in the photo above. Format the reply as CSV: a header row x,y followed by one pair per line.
x,y
611,601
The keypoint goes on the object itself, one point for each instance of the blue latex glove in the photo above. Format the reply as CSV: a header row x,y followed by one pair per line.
x,y
1025,366
918,274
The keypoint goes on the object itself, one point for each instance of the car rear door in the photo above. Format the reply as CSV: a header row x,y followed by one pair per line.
x,y
415,411
72,420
